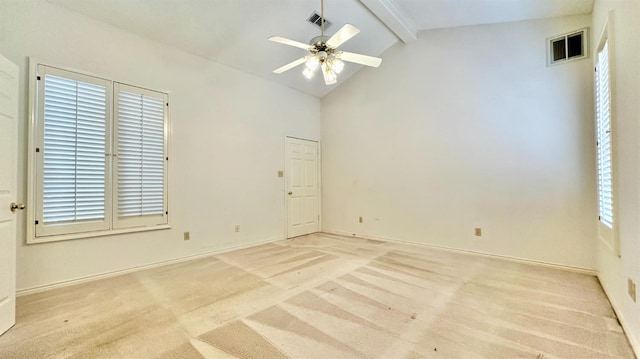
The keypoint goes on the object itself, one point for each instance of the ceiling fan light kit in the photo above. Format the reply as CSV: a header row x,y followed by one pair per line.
x,y
323,53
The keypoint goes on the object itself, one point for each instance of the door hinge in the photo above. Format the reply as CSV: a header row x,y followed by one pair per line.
x,y
37,221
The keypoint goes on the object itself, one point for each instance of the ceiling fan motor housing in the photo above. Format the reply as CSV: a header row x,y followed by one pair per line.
x,y
320,42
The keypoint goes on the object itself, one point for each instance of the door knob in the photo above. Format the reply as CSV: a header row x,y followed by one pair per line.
x,y
290,193
15,206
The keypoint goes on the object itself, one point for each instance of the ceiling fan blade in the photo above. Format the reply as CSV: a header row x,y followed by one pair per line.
x,y
290,65
282,40
330,77
345,33
360,59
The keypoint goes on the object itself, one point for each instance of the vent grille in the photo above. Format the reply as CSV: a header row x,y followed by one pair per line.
x,y
315,19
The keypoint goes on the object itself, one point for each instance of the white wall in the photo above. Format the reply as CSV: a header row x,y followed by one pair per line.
x,y
468,127
228,142
625,57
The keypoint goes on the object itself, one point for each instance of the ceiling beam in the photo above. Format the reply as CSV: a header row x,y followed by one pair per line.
x,y
393,18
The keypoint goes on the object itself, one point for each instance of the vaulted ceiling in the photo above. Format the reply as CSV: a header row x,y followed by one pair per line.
x,y
235,32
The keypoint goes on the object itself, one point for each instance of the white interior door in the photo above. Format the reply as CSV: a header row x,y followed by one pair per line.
x,y
302,185
8,173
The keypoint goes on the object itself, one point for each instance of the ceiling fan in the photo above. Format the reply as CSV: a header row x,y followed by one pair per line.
x,y
324,53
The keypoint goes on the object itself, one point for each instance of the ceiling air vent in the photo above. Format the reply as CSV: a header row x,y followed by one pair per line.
x,y
315,19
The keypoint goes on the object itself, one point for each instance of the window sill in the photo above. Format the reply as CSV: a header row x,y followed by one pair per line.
x,y
112,232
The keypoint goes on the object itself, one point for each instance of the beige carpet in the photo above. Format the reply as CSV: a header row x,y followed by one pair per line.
x,y
324,296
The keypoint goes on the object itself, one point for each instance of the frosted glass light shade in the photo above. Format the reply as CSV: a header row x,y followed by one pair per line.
x,y
337,66
308,73
313,63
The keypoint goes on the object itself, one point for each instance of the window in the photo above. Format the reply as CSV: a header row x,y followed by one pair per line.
x,y
99,156
140,156
567,47
604,141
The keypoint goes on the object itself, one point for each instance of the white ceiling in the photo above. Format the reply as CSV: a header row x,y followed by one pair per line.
x,y
235,32
434,14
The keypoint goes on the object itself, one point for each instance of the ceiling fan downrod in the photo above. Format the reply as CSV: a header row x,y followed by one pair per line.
x,y
322,18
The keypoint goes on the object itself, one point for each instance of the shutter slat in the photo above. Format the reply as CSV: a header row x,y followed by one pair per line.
x,y
74,166
603,132
141,155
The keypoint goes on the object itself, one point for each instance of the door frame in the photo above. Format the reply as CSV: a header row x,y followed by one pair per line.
x,y
286,183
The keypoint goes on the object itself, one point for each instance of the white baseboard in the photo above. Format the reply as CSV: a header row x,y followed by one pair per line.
x,y
621,318
66,283
70,282
588,271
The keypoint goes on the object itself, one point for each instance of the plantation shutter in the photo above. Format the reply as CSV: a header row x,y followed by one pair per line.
x,y
72,188
140,118
604,142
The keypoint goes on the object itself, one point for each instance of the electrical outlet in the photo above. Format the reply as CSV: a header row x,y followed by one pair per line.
x,y
237,228
360,219
187,236
478,232
631,288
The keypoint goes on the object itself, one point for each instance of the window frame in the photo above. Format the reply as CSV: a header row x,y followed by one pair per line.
x,y
565,36
607,234
34,162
